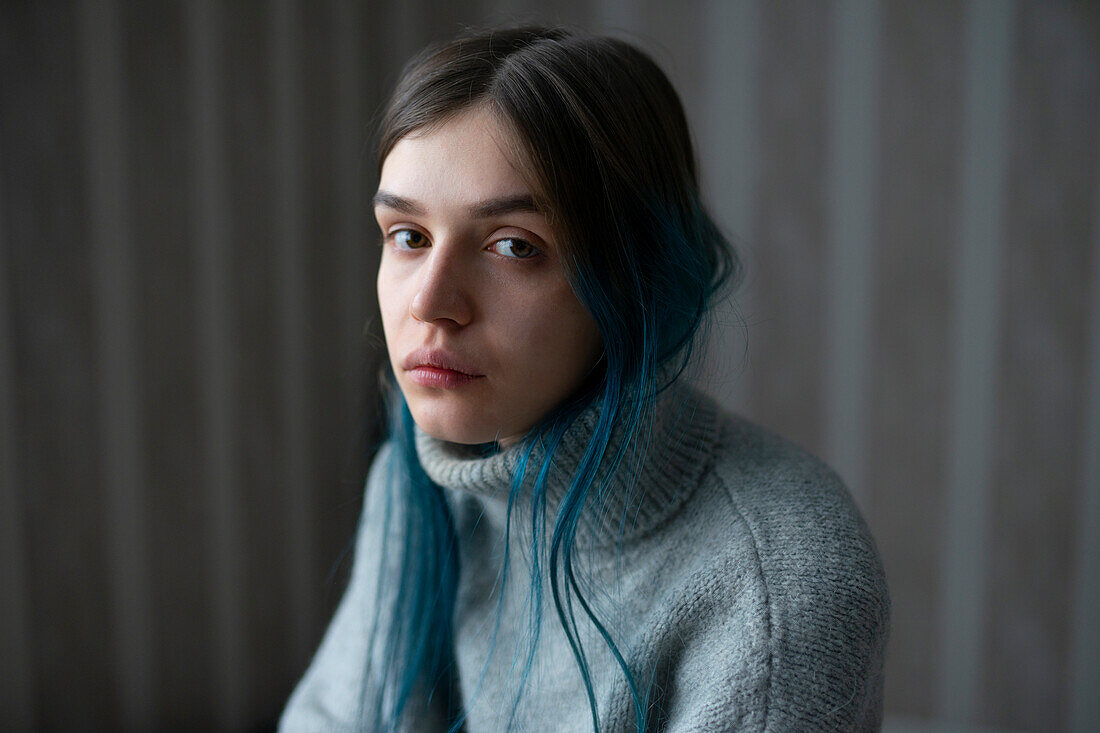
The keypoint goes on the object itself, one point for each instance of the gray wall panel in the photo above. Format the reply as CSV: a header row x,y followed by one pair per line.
x,y
728,148
977,306
50,299
1085,649
119,373
167,334
920,120
851,192
251,165
216,360
17,673
1041,368
786,340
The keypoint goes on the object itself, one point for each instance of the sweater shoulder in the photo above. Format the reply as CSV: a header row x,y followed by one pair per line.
x,y
766,597
771,509
759,493
820,573
799,511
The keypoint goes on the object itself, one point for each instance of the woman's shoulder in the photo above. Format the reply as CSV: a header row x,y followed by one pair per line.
x,y
788,550
769,507
766,497
793,502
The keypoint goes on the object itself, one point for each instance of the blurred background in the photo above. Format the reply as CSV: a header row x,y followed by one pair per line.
x,y
187,323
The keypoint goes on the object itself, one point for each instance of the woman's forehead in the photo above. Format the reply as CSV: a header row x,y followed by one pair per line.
x,y
461,164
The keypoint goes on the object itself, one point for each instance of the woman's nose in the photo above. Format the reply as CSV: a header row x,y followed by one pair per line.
x,y
442,292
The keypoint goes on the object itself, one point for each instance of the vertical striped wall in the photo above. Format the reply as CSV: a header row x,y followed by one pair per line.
x,y
187,323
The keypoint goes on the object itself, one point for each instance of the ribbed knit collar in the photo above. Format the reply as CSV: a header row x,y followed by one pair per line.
x,y
678,443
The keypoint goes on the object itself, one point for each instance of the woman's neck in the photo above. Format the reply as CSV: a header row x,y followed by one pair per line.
x,y
636,486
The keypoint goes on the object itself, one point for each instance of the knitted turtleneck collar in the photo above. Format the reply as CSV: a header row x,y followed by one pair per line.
x,y
681,436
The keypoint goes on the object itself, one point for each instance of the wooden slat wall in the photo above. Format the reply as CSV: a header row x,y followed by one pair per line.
x,y
187,327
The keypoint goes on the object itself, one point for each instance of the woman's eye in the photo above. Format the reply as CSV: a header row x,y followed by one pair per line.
x,y
409,239
515,248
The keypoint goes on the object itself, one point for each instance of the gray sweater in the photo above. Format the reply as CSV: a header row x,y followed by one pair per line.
x,y
731,568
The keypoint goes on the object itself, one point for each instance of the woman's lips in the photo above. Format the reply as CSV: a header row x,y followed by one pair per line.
x,y
430,376
439,368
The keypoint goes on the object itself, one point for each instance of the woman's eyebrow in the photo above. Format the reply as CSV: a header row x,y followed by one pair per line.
x,y
481,210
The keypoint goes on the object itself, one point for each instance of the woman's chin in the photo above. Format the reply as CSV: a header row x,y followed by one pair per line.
x,y
464,430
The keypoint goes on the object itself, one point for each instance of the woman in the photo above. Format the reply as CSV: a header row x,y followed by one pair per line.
x,y
560,533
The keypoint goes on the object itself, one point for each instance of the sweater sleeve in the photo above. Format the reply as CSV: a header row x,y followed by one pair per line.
x,y
816,677
829,606
327,698
797,640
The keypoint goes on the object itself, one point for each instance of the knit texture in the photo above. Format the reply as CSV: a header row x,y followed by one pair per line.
x,y
730,567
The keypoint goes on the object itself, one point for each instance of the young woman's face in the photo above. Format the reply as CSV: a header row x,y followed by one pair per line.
x,y
484,333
